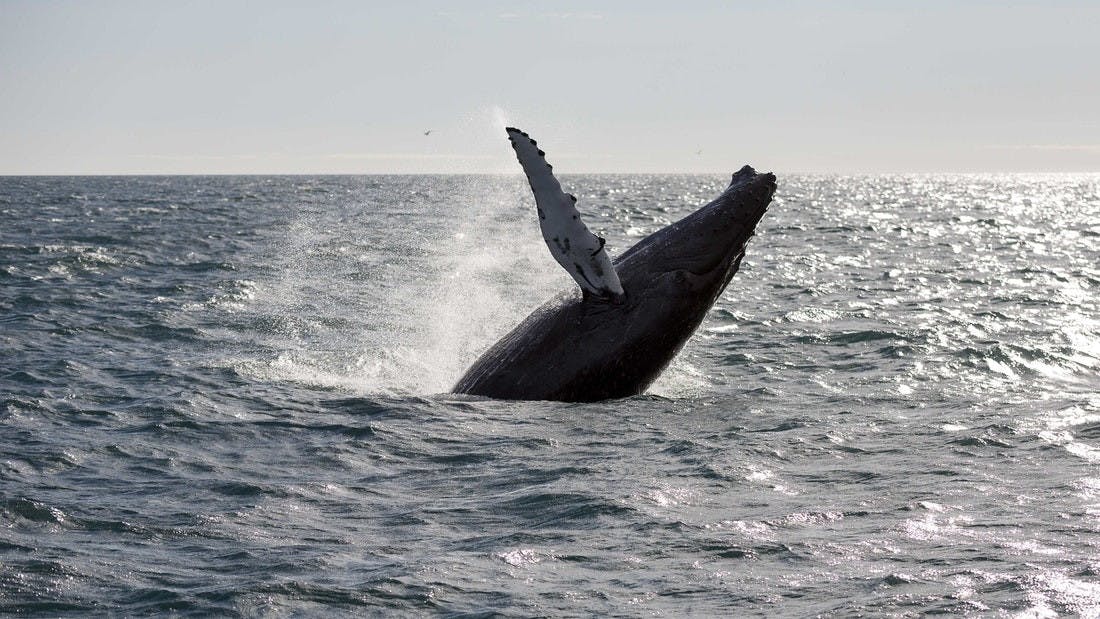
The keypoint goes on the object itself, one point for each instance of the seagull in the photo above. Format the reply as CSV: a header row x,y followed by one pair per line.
x,y
428,132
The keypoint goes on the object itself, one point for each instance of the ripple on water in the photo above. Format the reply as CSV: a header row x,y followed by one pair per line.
x,y
220,395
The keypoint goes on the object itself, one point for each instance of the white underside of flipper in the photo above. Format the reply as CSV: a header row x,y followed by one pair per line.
x,y
576,249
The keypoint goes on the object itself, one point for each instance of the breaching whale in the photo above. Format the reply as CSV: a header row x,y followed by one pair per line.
x,y
631,317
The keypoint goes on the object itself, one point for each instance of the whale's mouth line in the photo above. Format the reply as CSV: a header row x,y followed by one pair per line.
x,y
723,265
705,263
711,269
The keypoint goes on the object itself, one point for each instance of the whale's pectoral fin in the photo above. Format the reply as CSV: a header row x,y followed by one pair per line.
x,y
576,249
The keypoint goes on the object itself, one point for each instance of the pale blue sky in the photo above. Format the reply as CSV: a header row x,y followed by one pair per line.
x,y
350,87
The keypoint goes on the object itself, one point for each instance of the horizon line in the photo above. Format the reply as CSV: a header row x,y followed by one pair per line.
x,y
564,174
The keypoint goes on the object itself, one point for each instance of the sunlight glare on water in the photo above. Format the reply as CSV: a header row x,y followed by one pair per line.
x,y
226,395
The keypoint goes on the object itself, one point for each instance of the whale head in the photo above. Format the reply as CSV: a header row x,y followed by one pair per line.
x,y
685,266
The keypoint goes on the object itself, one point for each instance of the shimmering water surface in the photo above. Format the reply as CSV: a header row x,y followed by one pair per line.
x,y
226,395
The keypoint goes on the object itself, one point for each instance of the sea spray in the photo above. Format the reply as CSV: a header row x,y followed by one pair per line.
x,y
335,313
490,270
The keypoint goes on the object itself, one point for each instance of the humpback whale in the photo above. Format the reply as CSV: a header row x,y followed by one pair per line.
x,y
614,337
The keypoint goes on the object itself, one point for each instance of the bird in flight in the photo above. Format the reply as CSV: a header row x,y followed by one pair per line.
x,y
428,132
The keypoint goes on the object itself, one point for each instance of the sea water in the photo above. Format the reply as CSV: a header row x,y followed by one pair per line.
x,y
228,395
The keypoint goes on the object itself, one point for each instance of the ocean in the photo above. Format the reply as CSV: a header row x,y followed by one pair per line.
x,y
228,396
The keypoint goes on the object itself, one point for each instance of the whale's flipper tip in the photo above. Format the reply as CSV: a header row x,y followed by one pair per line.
x,y
576,249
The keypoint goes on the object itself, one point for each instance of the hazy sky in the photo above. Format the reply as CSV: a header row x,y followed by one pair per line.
x,y
350,87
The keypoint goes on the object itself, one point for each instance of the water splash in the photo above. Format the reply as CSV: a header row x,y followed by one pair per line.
x,y
464,265
500,118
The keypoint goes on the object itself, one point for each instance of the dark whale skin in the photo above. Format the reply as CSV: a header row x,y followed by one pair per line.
x,y
576,348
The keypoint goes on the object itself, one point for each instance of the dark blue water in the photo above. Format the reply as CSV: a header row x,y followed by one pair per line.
x,y
226,395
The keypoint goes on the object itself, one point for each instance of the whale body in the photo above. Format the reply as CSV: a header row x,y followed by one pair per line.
x,y
611,338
